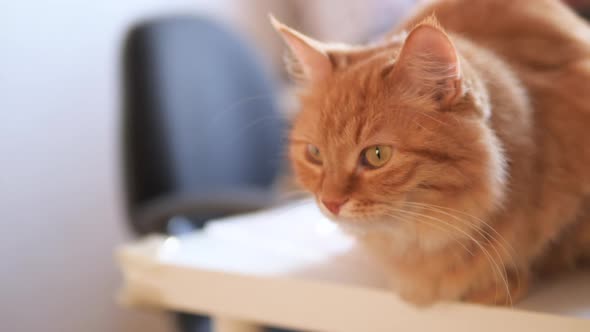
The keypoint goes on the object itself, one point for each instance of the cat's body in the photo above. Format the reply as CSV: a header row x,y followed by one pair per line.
x,y
489,179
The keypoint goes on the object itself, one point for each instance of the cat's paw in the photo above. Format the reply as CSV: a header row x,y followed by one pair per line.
x,y
500,293
419,297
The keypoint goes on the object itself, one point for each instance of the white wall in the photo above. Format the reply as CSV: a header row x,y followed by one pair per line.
x,y
60,196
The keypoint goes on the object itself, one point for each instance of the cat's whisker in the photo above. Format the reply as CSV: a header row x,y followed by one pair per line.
x,y
432,118
485,234
250,125
438,226
483,222
288,206
495,267
446,231
287,196
421,126
240,102
495,234
503,272
472,238
500,241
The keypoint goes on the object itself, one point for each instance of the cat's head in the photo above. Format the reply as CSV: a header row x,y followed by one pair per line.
x,y
388,134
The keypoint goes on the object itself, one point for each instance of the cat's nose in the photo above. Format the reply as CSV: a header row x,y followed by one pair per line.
x,y
334,205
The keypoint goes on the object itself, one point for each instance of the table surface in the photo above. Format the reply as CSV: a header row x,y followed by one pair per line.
x,y
298,247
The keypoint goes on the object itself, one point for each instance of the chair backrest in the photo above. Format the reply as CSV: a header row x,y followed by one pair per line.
x,y
200,111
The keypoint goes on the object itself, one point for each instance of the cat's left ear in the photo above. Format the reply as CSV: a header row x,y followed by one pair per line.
x,y
430,63
311,55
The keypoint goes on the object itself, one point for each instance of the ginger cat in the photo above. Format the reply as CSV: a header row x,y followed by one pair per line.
x,y
458,149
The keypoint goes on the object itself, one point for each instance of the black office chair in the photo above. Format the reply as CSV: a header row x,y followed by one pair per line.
x,y
203,136
202,131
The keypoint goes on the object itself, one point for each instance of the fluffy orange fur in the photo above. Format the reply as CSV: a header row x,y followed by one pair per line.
x,y
486,106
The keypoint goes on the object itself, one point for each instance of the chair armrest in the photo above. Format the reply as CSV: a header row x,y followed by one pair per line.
x,y
154,215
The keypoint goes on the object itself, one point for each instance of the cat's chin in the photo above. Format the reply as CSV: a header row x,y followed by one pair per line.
x,y
365,223
372,215
402,234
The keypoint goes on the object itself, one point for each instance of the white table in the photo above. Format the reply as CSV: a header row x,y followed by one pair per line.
x,y
291,267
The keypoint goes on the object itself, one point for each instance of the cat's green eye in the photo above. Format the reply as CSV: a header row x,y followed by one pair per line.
x,y
313,154
376,156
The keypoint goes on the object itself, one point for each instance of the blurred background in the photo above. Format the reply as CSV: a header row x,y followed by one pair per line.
x,y
97,100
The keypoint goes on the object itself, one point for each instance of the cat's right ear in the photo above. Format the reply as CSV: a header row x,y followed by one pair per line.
x,y
312,62
431,63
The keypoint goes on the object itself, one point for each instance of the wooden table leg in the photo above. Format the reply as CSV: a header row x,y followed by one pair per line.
x,y
223,324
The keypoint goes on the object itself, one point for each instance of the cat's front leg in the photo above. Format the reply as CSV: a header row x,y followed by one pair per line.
x,y
421,297
418,290
507,290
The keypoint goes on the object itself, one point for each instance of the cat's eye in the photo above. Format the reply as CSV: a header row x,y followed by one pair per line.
x,y
313,154
376,156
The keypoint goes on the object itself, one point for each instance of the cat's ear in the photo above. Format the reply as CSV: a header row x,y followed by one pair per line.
x,y
430,63
312,62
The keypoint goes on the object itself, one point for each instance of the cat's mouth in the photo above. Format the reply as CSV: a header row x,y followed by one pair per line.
x,y
366,213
